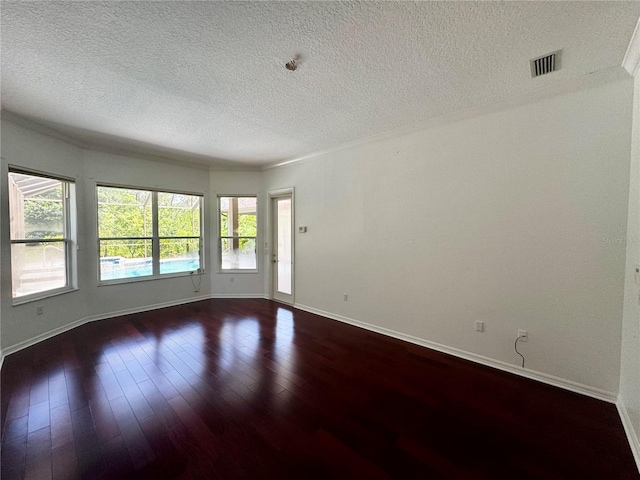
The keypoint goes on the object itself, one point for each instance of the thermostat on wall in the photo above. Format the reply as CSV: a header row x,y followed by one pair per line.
x,y
302,229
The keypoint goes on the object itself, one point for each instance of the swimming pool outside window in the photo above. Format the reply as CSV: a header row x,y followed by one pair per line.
x,y
146,234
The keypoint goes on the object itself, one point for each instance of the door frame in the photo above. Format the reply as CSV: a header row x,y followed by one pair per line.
x,y
273,194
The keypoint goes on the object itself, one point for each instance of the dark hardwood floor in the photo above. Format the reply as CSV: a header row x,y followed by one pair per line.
x,y
254,389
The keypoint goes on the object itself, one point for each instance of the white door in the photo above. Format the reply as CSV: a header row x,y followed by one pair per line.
x,y
282,247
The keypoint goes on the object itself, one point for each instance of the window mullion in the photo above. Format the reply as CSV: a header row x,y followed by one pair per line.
x,y
155,242
67,232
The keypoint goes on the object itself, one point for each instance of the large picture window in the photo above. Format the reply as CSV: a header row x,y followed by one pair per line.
x,y
144,233
238,233
42,229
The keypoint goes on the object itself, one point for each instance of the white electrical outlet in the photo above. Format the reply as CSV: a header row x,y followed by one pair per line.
x,y
523,335
479,326
345,297
231,279
39,310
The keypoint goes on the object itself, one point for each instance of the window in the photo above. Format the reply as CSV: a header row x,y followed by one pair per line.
x,y
143,233
42,229
238,232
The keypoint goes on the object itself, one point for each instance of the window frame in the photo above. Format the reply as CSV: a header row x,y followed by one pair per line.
x,y
221,237
155,237
69,238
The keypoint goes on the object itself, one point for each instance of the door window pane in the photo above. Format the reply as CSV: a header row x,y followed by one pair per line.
x,y
284,246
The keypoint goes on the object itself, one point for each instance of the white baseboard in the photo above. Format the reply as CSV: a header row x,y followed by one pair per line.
x,y
539,376
239,295
473,357
600,394
92,318
145,308
102,316
44,336
632,435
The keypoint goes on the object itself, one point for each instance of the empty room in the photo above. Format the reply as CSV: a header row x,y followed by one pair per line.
x,y
265,240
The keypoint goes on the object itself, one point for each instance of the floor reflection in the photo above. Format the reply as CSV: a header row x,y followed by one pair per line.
x,y
239,340
284,352
131,374
245,389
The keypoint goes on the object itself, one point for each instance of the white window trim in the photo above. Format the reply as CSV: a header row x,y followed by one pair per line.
x,y
70,237
220,237
155,238
42,295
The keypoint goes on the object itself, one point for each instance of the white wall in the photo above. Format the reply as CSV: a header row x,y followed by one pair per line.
x,y
512,218
117,170
630,358
516,218
29,149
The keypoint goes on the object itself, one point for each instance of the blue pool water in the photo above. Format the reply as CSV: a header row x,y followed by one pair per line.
x,y
112,268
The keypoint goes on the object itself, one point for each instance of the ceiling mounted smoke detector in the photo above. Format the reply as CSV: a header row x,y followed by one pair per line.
x,y
291,65
294,63
545,64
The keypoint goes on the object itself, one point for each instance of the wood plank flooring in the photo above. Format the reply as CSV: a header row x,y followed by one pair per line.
x,y
253,389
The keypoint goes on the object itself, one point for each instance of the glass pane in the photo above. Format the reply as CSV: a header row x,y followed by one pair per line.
x,y
179,255
238,254
238,217
284,246
125,259
178,215
124,213
36,207
38,267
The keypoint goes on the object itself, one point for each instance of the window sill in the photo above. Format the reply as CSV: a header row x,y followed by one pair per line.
x,y
120,281
34,297
238,271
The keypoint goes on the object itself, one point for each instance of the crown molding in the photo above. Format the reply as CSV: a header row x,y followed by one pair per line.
x,y
631,60
121,147
567,86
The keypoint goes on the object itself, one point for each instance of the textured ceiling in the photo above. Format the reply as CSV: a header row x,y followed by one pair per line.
x,y
208,78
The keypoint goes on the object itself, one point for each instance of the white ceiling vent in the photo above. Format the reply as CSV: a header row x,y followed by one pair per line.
x,y
545,64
